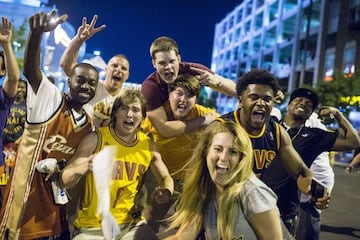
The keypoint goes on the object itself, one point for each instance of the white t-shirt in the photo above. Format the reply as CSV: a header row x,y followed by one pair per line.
x,y
43,104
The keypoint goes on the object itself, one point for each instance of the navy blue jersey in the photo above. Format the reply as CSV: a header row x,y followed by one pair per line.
x,y
265,145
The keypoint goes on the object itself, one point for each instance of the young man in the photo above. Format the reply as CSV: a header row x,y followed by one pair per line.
x,y
10,69
271,144
176,151
55,124
135,153
117,72
309,142
166,60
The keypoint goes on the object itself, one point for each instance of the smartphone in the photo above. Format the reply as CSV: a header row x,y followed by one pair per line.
x,y
317,190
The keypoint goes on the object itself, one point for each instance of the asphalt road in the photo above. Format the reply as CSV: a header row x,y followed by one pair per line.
x,y
341,221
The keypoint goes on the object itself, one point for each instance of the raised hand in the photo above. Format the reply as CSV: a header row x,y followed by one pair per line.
x,y
41,22
86,31
5,30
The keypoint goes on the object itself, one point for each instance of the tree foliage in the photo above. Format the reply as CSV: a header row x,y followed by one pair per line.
x,y
19,40
342,92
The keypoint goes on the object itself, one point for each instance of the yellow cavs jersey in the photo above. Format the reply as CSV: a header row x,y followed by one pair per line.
x,y
176,151
132,161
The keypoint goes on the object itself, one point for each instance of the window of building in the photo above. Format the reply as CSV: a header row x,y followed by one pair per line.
x,y
231,22
254,63
270,38
273,11
329,64
259,3
349,58
245,49
235,53
247,27
249,8
237,34
228,54
288,29
256,44
239,15
267,62
259,21
233,74
289,5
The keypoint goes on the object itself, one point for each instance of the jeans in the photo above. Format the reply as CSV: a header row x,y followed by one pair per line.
x,y
309,227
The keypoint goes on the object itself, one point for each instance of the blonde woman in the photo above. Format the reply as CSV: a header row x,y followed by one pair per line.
x,y
222,198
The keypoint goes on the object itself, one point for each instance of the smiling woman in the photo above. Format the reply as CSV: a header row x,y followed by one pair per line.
x,y
217,193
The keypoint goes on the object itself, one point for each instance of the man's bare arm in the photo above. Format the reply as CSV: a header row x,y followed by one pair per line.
x,y
39,23
11,81
293,163
84,32
80,163
174,128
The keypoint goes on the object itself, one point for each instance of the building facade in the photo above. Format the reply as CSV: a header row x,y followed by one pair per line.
x,y
300,41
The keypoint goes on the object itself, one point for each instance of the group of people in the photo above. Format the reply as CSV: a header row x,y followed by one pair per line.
x,y
233,176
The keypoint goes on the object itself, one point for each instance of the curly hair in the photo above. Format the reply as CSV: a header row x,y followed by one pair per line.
x,y
256,76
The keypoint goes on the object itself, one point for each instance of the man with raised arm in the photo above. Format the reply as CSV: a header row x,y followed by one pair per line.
x,y
166,59
55,124
117,72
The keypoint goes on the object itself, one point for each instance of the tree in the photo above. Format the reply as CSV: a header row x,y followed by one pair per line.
x,y
342,92
19,40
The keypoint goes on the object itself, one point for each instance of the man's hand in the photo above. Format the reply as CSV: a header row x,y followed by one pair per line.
x,y
323,203
304,184
161,195
5,30
86,31
41,22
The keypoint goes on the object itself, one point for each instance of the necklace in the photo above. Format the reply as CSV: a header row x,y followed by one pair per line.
x,y
289,128
297,133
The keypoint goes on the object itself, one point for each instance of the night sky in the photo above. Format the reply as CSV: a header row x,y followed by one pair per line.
x,y
133,24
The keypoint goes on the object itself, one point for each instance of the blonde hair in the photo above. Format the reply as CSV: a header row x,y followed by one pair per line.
x,y
199,187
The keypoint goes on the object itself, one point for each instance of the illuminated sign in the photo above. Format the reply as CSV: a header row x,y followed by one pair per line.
x,y
351,100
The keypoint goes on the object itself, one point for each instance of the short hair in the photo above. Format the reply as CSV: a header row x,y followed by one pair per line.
x,y
2,67
84,65
163,44
256,76
119,56
189,82
126,97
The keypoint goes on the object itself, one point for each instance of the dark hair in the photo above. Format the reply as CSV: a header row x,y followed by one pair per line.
x,y
257,76
85,65
127,96
189,82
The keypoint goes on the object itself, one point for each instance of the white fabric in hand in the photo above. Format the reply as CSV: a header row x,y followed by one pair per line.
x,y
102,170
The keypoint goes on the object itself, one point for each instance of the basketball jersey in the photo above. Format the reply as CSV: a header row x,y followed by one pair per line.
x,y
132,161
176,151
29,204
265,145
